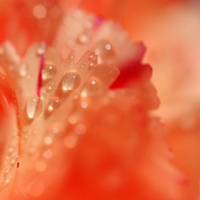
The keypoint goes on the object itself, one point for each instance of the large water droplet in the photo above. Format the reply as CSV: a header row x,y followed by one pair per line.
x,y
92,86
71,80
34,107
49,71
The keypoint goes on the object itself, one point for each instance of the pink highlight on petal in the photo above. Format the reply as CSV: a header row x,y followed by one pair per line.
x,y
98,21
39,82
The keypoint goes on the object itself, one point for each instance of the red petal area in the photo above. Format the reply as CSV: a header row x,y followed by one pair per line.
x,y
24,22
136,76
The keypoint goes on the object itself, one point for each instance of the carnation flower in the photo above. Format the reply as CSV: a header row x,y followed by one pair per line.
x,y
76,112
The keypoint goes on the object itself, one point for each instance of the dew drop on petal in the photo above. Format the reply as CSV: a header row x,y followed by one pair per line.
x,y
40,165
39,11
23,70
54,104
91,87
48,140
84,38
70,141
41,49
34,107
80,129
49,71
71,81
55,130
47,154
105,51
84,104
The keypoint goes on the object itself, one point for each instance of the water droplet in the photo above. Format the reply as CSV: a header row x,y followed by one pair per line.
x,y
8,179
40,165
93,62
39,11
47,154
70,141
105,51
34,107
49,71
6,171
41,49
84,38
92,86
55,130
10,150
80,129
72,119
49,87
48,140
92,55
84,104
54,104
14,160
71,81
43,95
23,70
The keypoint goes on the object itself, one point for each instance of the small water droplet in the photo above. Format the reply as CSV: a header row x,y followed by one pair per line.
x,y
48,140
6,171
92,86
55,130
71,80
92,55
47,154
54,104
41,49
39,11
49,87
49,71
70,141
40,165
105,51
80,129
84,38
93,62
43,95
8,179
23,70
10,150
34,107
84,104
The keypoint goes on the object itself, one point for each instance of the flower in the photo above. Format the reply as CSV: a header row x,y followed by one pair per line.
x,y
79,121
170,31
